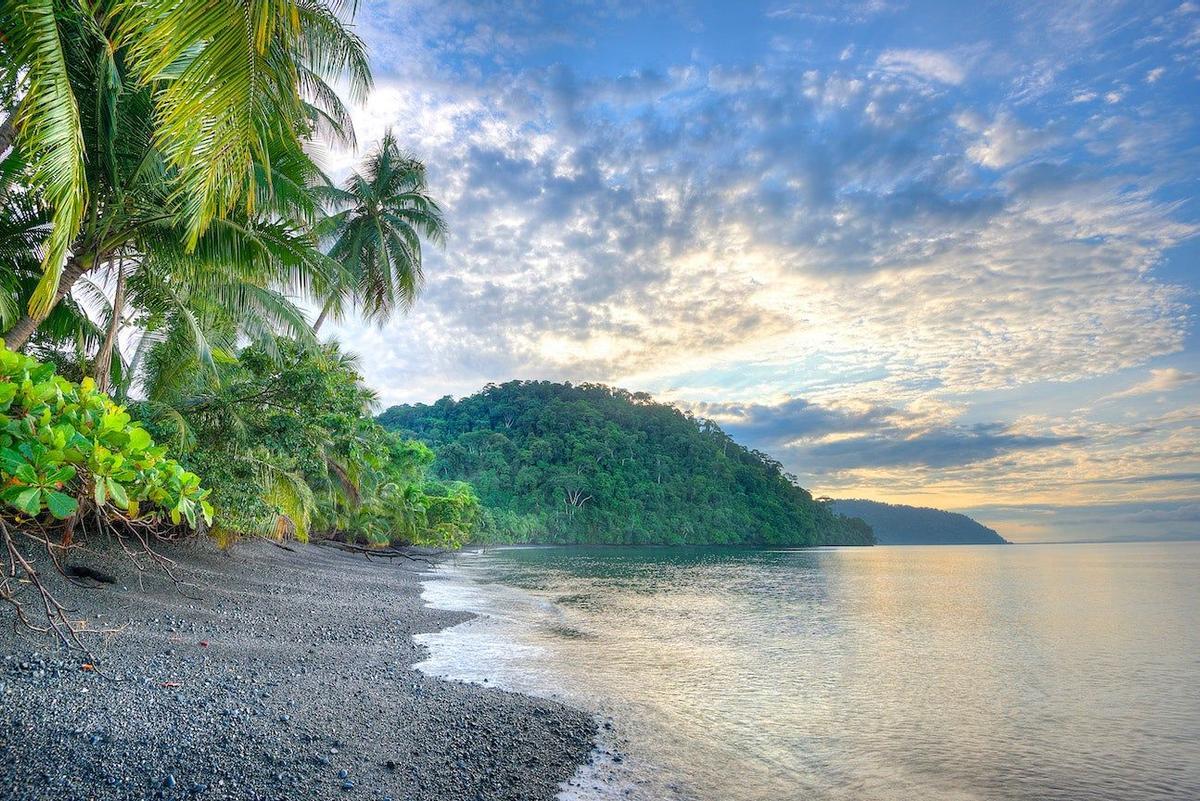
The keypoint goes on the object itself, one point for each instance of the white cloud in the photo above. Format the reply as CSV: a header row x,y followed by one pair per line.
x,y
789,229
931,64
1155,74
1002,141
1167,379
638,252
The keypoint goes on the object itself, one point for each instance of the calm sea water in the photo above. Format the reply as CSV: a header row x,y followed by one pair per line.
x,y
935,673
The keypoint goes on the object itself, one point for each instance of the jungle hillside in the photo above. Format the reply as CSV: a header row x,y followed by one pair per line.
x,y
588,463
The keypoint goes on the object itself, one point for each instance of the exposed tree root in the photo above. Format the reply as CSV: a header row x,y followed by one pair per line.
x,y
22,583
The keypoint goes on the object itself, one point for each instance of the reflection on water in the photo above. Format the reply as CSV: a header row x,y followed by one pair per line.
x,y
978,672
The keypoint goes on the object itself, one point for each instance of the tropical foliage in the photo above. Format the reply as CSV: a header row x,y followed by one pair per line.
x,y
592,464
70,451
141,123
163,229
286,441
74,461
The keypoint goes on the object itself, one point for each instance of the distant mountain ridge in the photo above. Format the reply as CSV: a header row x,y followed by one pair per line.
x,y
897,524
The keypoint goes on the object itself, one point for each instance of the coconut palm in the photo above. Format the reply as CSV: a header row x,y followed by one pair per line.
x,y
216,89
378,219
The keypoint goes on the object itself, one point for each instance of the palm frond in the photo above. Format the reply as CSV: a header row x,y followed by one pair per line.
x,y
49,134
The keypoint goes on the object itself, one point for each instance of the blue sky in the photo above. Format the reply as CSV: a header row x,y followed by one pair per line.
x,y
930,253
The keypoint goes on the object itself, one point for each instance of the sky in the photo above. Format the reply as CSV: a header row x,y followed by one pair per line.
x,y
943,254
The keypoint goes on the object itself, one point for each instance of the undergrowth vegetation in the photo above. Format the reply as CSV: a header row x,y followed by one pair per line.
x,y
73,461
285,438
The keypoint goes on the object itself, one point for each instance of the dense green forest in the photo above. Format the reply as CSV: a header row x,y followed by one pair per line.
x,y
592,464
896,524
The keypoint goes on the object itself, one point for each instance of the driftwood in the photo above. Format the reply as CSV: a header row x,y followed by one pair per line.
x,y
386,553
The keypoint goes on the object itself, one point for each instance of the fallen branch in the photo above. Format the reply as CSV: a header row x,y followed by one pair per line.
x,y
386,553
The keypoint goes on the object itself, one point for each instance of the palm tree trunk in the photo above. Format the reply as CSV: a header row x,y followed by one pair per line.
x,y
17,336
102,367
8,132
321,317
8,137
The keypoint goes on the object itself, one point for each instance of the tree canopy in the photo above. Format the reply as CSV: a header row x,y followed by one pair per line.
x,y
593,464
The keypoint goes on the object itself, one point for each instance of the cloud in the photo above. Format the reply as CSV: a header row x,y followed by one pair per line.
x,y
944,447
851,437
629,229
833,12
1166,379
837,258
1003,140
930,64
775,425
1120,521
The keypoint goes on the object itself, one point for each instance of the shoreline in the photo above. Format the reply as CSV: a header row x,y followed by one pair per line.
x,y
279,675
454,652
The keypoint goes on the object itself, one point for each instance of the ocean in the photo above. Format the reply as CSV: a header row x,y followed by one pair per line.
x,y
944,673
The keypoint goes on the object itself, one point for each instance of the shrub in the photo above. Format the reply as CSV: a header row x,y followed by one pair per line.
x,y
71,459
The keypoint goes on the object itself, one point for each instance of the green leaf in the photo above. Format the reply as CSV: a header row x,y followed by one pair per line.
x,y
30,501
9,494
26,473
99,491
139,439
10,460
117,492
61,506
41,373
63,474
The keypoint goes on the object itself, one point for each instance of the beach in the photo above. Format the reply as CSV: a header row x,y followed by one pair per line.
x,y
271,674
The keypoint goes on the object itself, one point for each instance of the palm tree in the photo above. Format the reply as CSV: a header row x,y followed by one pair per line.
x,y
379,218
212,89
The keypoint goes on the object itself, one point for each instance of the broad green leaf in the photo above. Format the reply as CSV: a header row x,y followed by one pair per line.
x,y
118,492
30,501
139,439
61,506
10,460
63,474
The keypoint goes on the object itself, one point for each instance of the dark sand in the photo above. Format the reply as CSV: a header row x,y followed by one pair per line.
x,y
306,672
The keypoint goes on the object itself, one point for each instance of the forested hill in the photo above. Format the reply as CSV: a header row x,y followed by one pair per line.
x,y
917,525
592,464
